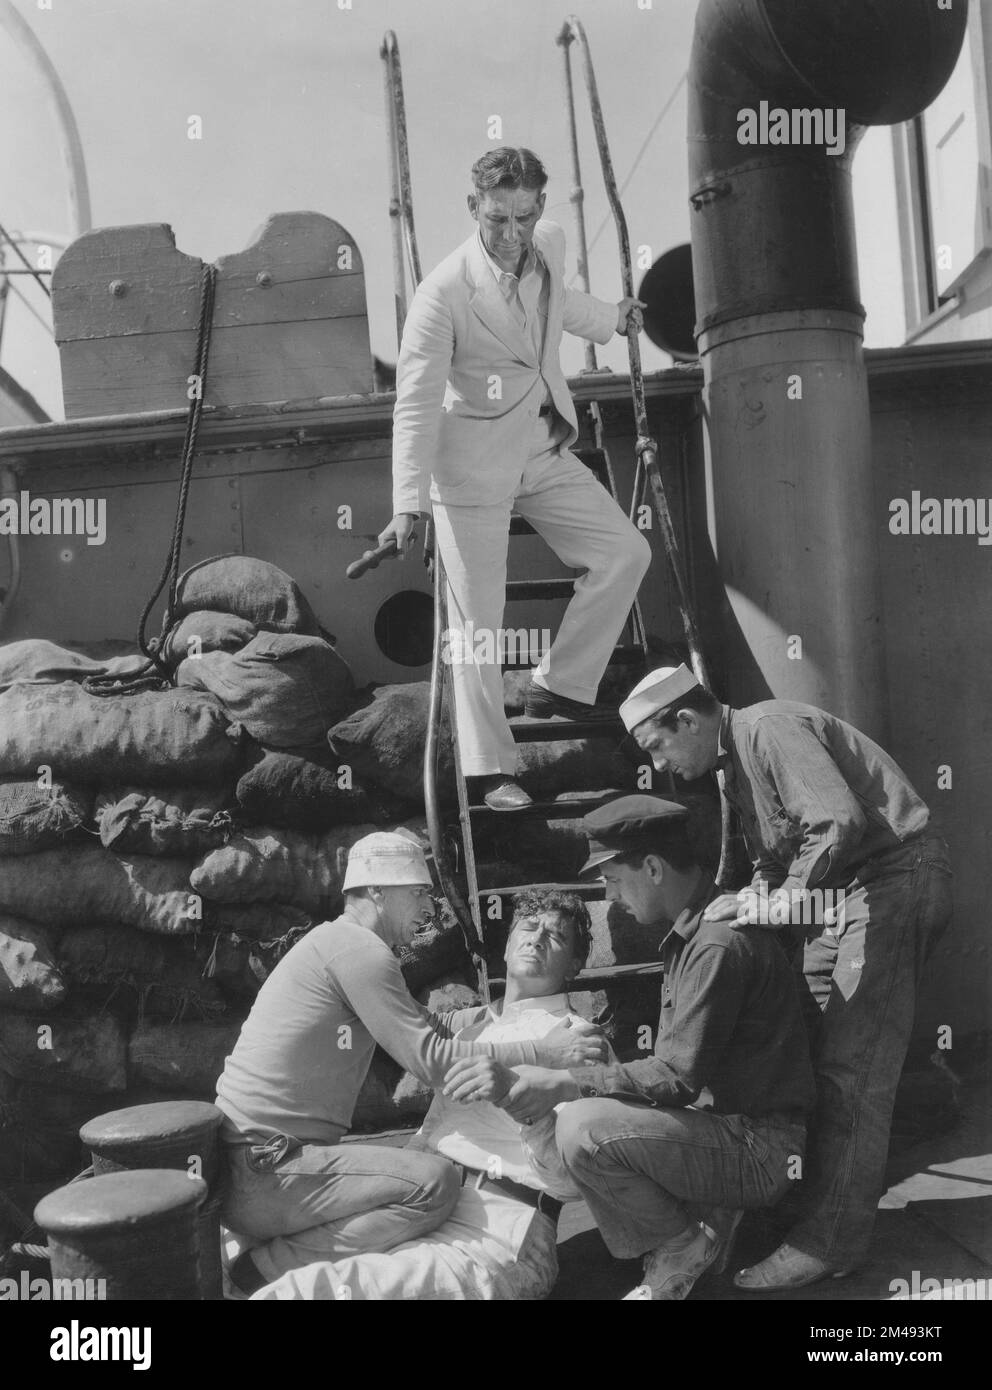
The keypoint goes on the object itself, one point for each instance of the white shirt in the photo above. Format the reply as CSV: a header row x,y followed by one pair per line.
x,y
527,298
479,1134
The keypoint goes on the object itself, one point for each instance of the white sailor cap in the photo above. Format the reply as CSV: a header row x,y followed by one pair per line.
x,y
386,859
655,692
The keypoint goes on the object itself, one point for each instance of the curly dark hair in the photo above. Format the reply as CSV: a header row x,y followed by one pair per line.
x,y
507,167
568,906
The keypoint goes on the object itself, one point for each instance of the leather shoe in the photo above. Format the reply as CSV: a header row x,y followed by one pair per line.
x,y
786,1268
501,793
669,1275
545,704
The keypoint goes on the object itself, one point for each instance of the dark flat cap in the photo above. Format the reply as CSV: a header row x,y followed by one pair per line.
x,y
625,825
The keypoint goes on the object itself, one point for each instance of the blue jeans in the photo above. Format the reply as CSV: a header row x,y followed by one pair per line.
x,y
638,1166
862,977
309,1202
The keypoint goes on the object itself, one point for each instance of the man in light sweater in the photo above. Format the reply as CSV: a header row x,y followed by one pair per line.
x,y
289,1088
499,1242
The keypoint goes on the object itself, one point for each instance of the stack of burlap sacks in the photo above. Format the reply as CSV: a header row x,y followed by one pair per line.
x,y
160,850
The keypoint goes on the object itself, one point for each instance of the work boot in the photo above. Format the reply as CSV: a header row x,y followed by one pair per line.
x,y
786,1268
669,1275
723,1222
545,704
500,792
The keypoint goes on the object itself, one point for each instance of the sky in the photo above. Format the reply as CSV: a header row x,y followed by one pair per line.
x,y
290,94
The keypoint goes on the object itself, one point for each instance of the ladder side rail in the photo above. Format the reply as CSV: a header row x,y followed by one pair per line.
x,y
386,53
647,447
403,159
435,821
577,195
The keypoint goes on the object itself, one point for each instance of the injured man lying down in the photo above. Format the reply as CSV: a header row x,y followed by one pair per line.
x,y
500,1240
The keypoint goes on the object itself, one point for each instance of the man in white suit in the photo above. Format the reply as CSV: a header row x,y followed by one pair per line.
x,y
486,324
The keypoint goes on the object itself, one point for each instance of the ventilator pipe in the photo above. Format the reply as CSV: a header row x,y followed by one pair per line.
x,y
779,323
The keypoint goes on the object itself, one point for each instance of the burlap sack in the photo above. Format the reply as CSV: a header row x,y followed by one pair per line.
x,y
259,922
39,662
34,816
80,1051
280,866
42,1140
248,588
158,976
90,886
547,770
179,822
29,975
286,690
152,738
204,631
285,790
434,953
184,1057
267,864
384,741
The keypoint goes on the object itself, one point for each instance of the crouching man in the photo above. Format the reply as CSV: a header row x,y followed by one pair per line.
x,y
716,1117
499,1241
289,1088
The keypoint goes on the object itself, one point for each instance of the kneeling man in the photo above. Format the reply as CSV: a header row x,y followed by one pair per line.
x,y
289,1088
716,1117
499,1242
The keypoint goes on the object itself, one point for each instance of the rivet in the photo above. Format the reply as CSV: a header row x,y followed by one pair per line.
x,y
118,288
263,278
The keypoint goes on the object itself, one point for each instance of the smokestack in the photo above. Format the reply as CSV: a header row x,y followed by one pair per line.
x,y
780,94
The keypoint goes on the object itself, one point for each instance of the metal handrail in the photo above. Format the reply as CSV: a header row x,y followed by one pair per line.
x,y
404,235
646,447
435,825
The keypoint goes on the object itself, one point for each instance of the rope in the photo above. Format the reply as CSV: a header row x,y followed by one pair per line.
x,y
156,675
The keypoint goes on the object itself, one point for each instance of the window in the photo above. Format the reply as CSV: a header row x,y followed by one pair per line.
x,y
947,158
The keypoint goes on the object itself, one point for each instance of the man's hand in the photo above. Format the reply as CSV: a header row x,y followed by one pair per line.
x,y
402,529
629,309
535,1093
477,1078
571,1044
748,908
723,908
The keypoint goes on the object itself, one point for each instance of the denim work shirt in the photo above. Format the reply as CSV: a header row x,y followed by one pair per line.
x,y
816,797
730,1034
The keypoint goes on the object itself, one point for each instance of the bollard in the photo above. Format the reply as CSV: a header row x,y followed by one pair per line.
x,y
173,1134
170,1134
137,1232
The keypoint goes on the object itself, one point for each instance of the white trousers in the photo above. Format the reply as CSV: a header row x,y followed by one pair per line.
x,y
587,531
491,1248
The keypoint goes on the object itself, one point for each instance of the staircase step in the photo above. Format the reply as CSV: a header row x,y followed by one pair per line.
x,y
568,807
557,730
625,654
520,590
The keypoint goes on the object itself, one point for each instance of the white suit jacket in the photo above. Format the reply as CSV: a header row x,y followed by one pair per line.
x,y
460,332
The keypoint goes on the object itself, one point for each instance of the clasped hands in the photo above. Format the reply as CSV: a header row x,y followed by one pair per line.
x,y
527,1093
